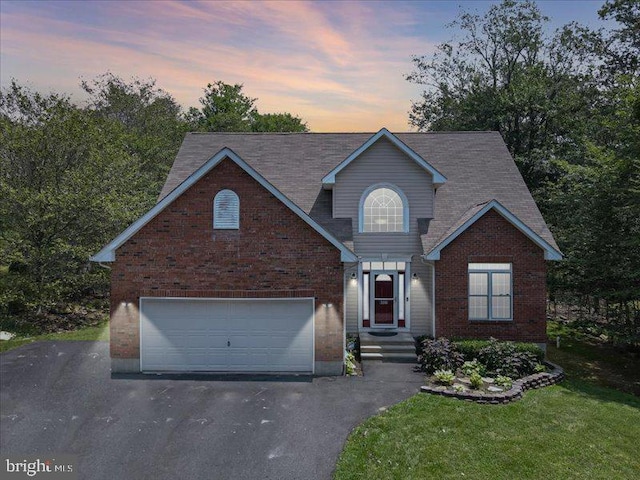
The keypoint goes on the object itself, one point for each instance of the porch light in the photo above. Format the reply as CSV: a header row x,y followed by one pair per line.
x,y
353,275
415,276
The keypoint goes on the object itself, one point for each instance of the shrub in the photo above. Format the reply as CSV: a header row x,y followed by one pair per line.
x,y
445,377
539,368
439,354
504,382
505,358
349,363
473,366
471,348
476,380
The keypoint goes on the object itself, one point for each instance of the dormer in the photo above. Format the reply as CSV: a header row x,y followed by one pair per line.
x,y
329,179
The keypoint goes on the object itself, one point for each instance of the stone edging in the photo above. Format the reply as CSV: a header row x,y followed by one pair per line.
x,y
537,380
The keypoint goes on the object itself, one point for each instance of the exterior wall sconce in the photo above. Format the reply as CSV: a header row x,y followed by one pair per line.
x,y
415,276
327,305
353,276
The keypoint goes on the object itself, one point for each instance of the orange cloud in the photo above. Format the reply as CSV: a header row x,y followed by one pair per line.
x,y
339,66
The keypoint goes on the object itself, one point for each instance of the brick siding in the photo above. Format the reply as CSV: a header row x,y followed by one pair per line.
x,y
492,239
273,254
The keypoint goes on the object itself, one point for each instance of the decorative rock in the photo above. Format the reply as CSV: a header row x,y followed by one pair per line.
x,y
497,395
6,335
488,380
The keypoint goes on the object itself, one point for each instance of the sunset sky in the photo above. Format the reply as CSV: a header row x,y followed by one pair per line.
x,y
339,65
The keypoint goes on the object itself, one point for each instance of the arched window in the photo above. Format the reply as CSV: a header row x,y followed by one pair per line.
x,y
384,209
226,210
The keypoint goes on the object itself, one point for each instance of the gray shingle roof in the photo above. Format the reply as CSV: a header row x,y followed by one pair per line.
x,y
477,165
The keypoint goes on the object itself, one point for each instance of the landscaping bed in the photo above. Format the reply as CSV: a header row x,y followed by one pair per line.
x,y
489,392
484,371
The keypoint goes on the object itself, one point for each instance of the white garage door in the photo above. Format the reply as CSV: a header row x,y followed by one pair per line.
x,y
226,335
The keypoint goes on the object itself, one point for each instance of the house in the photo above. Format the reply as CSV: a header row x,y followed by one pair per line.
x,y
265,249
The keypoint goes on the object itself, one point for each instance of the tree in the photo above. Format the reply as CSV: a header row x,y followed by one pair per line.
x,y
225,108
278,122
150,116
66,188
505,75
568,107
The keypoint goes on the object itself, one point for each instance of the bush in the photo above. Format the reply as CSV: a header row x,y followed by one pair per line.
x,y
504,382
471,348
476,380
439,354
445,377
505,358
473,366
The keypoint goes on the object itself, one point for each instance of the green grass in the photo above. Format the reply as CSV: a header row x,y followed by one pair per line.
x,y
571,431
98,332
592,360
580,429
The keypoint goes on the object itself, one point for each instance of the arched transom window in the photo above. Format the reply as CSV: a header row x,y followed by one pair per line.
x,y
226,210
383,210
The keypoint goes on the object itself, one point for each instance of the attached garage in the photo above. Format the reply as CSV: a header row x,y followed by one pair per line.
x,y
226,335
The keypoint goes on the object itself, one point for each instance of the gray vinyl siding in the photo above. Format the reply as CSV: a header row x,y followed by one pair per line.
x,y
420,300
351,299
384,163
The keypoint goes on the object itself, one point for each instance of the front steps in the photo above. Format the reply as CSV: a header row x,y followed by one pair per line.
x,y
400,348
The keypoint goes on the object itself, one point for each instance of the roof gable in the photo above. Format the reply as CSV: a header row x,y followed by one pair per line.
x,y
330,178
108,253
475,213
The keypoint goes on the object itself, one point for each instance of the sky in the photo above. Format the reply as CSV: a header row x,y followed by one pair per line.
x,y
339,65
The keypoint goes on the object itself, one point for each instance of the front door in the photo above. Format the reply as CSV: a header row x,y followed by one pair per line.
x,y
383,298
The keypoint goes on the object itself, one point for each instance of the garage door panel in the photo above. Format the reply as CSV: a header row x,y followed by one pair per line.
x,y
227,335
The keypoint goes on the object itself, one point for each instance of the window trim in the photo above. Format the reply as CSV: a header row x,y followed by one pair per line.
x,y
234,223
405,207
489,269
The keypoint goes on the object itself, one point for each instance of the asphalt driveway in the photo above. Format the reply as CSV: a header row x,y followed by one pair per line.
x,y
60,398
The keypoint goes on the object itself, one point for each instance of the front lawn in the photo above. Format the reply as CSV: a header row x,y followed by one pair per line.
x,y
579,429
93,333
573,430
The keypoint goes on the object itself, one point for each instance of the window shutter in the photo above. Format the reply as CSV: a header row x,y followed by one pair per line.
x,y
226,210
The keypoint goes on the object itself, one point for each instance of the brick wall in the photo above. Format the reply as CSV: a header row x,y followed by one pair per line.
x,y
492,239
273,254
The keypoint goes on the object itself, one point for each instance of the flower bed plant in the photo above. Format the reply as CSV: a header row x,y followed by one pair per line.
x,y
482,367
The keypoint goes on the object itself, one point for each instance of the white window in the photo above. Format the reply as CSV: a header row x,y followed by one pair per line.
x,y
384,209
490,291
226,210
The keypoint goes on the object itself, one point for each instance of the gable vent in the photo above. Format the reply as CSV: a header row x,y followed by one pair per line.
x,y
226,210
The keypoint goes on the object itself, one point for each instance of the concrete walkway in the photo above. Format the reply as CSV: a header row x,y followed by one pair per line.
x,y
60,398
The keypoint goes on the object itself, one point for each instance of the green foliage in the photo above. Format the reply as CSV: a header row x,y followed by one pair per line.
x,y
505,358
225,108
439,354
67,187
476,380
504,382
349,363
151,118
540,368
568,108
278,122
445,377
505,74
471,348
472,366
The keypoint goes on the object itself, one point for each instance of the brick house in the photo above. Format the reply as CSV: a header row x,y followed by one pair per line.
x,y
264,250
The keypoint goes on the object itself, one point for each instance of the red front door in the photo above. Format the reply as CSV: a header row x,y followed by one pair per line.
x,y
383,302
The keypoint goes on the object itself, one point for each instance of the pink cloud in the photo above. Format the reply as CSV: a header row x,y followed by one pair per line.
x,y
298,59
